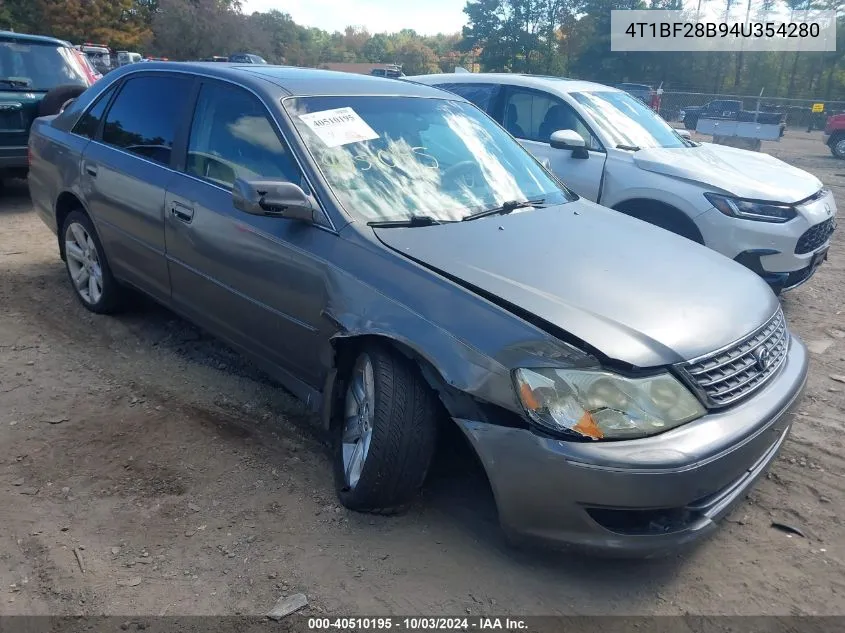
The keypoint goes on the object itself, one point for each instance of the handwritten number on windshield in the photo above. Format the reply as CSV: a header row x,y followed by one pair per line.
x,y
387,159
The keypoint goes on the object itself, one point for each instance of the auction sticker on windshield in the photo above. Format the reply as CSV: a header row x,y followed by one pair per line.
x,y
340,126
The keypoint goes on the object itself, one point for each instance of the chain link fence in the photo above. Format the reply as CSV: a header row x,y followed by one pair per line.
x,y
799,112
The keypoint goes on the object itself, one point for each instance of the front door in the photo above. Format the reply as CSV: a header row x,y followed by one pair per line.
x,y
532,116
253,279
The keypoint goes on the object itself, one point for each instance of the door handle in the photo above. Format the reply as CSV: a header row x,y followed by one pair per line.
x,y
91,171
182,212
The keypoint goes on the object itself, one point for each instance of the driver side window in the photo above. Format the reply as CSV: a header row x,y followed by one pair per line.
x,y
232,137
534,116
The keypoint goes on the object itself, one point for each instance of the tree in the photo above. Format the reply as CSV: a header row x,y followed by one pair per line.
x,y
115,22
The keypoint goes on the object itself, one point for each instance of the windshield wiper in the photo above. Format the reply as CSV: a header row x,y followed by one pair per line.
x,y
630,148
414,220
17,83
506,207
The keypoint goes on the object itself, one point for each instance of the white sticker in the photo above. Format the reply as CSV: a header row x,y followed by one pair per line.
x,y
340,126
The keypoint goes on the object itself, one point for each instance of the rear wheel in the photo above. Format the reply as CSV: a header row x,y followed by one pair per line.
x,y
837,146
87,267
386,437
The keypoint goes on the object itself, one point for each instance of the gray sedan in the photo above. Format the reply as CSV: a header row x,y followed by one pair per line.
x,y
394,258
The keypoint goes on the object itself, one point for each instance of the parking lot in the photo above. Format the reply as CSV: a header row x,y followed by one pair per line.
x,y
147,469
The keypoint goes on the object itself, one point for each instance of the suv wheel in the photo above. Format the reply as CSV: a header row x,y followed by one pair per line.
x,y
87,267
385,439
837,146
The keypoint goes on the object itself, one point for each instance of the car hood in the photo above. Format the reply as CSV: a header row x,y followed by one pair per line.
x,y
636,293
738,172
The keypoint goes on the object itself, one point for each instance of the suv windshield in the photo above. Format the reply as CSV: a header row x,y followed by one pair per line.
x,y
628,121
394,158
36,66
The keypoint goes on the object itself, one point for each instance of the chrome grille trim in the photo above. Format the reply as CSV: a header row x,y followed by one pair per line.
x,y
723,377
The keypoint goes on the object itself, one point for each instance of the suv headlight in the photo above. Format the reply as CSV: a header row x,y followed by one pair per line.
x,y
752,209
602,405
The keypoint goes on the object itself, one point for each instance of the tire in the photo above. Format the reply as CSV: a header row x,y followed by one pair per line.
x,y
394,417
54,100
837,146
84,256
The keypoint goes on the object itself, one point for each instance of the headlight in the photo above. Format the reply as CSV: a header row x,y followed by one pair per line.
x,y
752,209
604,406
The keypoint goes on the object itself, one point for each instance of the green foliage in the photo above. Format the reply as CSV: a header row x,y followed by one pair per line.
x,y
558,37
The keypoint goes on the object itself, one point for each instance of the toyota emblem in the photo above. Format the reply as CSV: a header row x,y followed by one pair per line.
x,y
761,358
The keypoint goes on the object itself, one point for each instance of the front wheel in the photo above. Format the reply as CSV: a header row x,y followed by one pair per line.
x,y
385,439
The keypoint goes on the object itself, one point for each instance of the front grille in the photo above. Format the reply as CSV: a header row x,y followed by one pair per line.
x,y
726,376
815,236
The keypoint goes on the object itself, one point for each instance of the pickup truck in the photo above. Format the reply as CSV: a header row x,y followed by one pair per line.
x,y
834,135
728,110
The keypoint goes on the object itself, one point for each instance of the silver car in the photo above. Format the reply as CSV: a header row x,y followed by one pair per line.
x,y
394,258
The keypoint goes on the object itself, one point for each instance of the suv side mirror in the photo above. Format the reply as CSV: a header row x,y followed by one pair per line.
x,y
684,134
570,139
273,198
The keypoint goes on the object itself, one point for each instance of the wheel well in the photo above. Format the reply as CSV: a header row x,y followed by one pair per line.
x,y
452,445
346,349
835,137
66,203
663,215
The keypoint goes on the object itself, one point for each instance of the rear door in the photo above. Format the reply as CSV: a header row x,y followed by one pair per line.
x,y
127,169
533,115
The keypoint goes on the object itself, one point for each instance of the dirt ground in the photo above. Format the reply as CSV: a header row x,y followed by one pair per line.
x,y
187,483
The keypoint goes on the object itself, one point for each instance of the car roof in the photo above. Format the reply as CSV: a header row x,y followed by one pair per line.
x,y
302,82
26,37
553,84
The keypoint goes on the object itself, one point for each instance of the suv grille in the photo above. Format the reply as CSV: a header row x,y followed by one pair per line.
x,y
724,377
815,236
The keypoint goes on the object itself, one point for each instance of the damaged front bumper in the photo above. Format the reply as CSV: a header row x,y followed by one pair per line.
x,y
638,497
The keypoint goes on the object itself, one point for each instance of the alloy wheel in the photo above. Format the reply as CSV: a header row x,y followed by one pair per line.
x,y
358,420
83,263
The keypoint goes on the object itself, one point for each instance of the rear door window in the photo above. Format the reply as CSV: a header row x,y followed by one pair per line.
x,y
89,123
146,114
482,95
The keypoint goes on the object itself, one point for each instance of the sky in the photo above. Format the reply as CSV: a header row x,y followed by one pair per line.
x,y
425,17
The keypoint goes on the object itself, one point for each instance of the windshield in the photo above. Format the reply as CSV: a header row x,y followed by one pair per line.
x,y
628,121
393,158
37,66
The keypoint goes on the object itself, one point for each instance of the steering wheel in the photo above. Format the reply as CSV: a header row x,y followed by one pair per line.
x,y
466,169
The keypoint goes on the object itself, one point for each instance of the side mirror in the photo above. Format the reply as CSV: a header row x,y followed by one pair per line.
x,y
684,134
273,198
570,139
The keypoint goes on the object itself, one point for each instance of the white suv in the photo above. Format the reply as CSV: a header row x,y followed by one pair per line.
x,y
609,147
